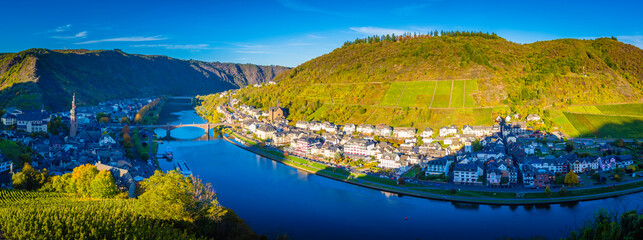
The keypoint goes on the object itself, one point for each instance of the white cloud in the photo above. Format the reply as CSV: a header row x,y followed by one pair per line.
x,y
82,34
314,36
62,28
125,39
379,31
176,46
636,40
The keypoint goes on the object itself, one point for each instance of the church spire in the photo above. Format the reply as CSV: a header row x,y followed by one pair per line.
x,y
72,117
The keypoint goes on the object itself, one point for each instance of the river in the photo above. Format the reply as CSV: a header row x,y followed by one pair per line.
x,y
277,199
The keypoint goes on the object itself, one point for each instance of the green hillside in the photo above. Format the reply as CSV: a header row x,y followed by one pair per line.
x,y
456,78
37,77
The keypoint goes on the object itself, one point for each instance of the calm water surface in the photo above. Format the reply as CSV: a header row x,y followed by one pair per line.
x,y
275,199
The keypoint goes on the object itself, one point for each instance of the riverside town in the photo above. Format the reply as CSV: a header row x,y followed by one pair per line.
x,y
318,120
508,156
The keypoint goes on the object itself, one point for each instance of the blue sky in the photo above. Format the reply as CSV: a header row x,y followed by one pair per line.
x,y
290,32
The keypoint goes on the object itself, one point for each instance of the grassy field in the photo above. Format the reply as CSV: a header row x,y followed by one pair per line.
x,y
471,87
605,126
584,109
393,93
561,120
420,94
634,109
457,95
417,94
442,95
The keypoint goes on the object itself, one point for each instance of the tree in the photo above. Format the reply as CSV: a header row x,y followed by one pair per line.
x,y
174,196
400,181
559,179
569,146
125,130
144,156
571,178
476,146
127,138
104,120
29,178
338,155
82,177
606,225
547,191
101,115
59,184
103,185
619,143
55,125
125,120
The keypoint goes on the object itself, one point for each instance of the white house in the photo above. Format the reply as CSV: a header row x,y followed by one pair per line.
x,y
383,130
9,119
404,132
266,131
315,126
467,129
390,160
106,140
349,128
329,127
357,146
33,121
427,133
5,165
533,117
467,174
446,130
365,129
302,124
438,166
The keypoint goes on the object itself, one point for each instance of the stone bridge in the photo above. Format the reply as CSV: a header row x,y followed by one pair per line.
x,y
191,99
205,126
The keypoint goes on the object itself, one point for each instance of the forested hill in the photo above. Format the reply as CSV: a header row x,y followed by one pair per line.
x,y
454,76
50,77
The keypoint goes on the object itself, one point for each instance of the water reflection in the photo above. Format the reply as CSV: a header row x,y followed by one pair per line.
x,y
183,133
302,175
569,205
466,206
389,194
543,206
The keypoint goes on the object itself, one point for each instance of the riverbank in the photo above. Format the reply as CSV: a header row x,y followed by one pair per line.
x,y
464,196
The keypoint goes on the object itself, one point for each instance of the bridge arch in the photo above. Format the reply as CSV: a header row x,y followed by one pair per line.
x,y
168,128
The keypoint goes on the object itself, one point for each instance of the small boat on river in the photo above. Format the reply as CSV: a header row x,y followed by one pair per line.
x,y
168,154
182,167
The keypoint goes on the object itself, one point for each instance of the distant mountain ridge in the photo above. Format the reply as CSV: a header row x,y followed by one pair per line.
x,y
43,77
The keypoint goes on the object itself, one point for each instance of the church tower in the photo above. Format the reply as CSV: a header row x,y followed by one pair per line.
x,y
72,116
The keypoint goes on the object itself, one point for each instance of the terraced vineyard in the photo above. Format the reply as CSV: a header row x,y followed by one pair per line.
x,y
432,94
42,215
601,121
